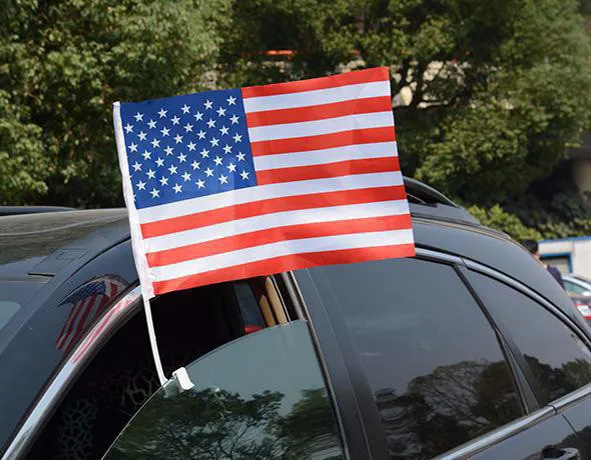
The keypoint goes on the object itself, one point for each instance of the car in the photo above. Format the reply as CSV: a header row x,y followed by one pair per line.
x,y
577,285
468,350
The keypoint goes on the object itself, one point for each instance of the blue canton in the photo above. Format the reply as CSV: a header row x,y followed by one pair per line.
x,y
187,146
95,288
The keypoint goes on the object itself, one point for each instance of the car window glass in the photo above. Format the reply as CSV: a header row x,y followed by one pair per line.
x,y
557,357
432,360
573,287
259,397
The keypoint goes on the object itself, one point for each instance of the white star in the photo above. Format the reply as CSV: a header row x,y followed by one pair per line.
x,y
218,161
152,124
223,179
137,166
244,175
165,132
133,147
163,181
139,116
211,123
172,169
155,193
178,138
168,150
200,184
188,127
214,142
240,156
128,128
151,174
198,116
185,108
201,134
195,165
234,119
227,148
237,137
221,112
142,135
182,158
155,143
208,104
160,162
175,120
192,146
187,176
141,185
178,188
204,153
209,172
232,167
146,154
231,100
162,113
224,130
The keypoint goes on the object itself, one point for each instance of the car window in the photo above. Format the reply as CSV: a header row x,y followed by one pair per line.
x,y
559,360
574,287
259,397
433,362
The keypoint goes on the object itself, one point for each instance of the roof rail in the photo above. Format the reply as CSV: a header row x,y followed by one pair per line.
x,y
19,210
420,193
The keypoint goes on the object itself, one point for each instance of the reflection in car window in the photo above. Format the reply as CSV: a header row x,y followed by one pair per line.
x,y
432,360
557,357
259,397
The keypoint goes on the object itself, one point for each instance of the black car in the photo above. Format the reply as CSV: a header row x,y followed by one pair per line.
x,y
470,349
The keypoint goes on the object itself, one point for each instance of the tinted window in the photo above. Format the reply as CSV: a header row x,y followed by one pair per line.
x,y
259,397
433,362
558,358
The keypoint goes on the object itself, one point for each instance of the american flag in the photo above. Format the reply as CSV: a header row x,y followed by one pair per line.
x,y
87,302
238,183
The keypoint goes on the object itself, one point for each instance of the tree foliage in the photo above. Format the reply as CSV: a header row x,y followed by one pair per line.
x,y
487,94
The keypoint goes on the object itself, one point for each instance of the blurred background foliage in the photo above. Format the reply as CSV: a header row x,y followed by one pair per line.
x,y
487,94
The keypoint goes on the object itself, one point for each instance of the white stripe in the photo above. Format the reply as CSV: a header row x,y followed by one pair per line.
x,y
282,248
319,157
319,127
263,192
317,96
275,220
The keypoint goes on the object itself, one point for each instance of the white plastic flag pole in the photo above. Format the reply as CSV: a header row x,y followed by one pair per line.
x,y
153,342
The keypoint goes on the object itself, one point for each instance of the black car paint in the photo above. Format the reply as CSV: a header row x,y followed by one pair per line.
x,y
27,346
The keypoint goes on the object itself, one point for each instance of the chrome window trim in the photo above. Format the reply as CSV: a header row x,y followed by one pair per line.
x,y
71,367
430,254
571,399
483,269
500,434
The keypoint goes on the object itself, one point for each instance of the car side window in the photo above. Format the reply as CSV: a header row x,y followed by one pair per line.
x,y
433,361
558,359
261,396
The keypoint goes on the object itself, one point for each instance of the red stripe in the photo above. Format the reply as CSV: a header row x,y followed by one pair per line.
x,y
272,235
88,341
284,263
349,78
323,141
270,206
319,112
71,320
339,168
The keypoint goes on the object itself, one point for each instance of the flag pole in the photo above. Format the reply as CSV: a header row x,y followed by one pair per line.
x,y
153,341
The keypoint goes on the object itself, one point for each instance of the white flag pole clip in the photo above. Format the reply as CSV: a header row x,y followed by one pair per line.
x,y
153,342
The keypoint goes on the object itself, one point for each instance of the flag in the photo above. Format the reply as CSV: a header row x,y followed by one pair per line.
x,y
88,302
237,183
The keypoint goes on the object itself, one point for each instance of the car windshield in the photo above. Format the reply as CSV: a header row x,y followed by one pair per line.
x,y
14,294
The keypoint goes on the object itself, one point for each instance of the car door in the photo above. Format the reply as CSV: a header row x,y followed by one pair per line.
x,y
429,364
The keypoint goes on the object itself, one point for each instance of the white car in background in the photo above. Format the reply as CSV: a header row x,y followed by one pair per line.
x,y
577,285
